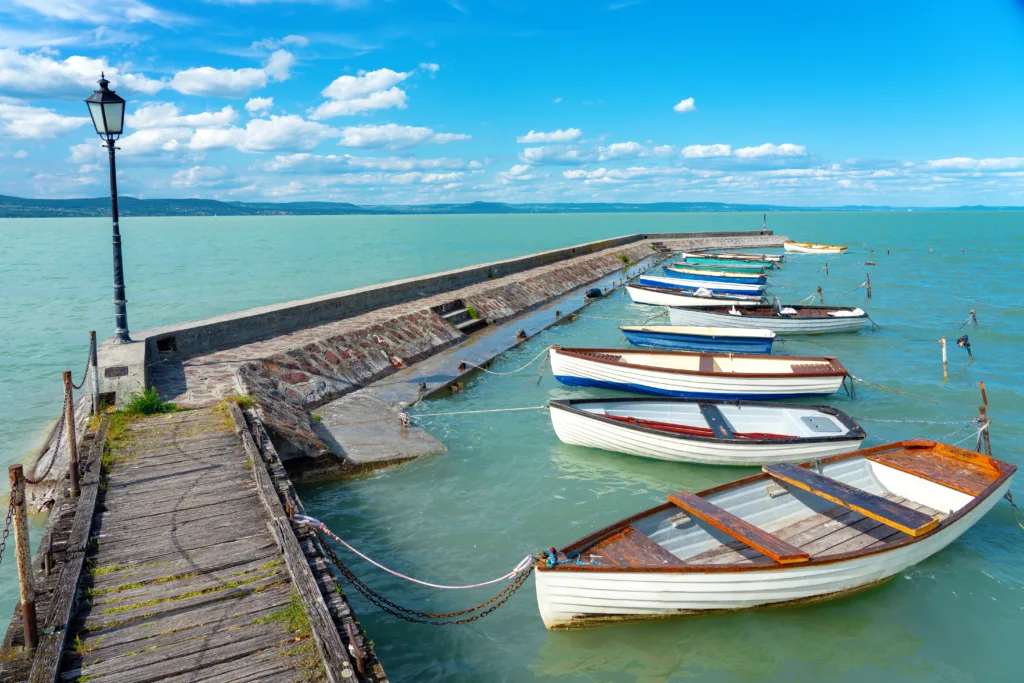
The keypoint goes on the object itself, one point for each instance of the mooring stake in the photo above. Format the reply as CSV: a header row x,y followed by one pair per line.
x,y
24,555
69,434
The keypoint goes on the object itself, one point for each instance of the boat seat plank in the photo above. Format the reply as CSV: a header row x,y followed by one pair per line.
x,y
632,548
810,368
718,423
707,363
741,530
895,515
961,474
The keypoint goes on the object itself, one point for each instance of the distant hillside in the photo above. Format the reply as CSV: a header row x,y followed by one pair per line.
x,y
18,207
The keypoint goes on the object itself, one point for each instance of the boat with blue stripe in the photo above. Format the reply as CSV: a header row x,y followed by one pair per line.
x,y
720,339
715,275
694,284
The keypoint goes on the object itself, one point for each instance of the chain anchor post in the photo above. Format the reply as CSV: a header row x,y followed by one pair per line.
x,y
19,511
94,370
69,434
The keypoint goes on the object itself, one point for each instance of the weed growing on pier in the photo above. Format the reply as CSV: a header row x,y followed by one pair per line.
x,y
293,617
242,401
80,648
472,312
148,403
317,417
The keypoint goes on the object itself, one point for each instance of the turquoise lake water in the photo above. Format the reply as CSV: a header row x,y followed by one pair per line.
x,y
507,487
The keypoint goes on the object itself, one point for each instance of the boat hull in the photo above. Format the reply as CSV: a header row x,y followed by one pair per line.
x,y
693,283
581,430
756,267
695,342
806,248
779,325
678,297
574,371
570,599
751,279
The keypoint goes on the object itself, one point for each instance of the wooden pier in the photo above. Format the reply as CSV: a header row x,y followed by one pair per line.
x,y
180,565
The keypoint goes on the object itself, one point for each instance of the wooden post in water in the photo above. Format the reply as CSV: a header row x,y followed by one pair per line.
x,y
821,297
868,283
945,367
984,398
69,434
984,434
94,367
826,267
24,556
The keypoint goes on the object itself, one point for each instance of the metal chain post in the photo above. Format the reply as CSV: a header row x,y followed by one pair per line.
x,y
69,426
24,555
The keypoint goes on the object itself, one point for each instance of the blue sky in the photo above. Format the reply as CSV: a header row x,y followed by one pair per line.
x,y
371,102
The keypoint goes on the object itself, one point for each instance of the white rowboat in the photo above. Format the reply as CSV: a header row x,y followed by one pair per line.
x,y
787,536
659,296
697,283
770,258
740,433
803,320
686,374
809,248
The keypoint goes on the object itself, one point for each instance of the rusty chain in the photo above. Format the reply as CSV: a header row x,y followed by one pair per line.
x,y
85,373
417,617
7,527
56,451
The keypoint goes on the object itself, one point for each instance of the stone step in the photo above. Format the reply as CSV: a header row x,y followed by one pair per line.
x,y
471,325
457,316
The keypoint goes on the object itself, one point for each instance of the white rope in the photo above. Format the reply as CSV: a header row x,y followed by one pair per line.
x,y
971,436
474,412
922,422
493,372
304,520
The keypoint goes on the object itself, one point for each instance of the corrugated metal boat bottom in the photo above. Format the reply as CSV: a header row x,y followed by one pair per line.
x,y
578,430
694,343
573,381
576,598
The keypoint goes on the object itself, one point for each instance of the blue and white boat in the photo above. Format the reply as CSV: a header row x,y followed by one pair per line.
x,y
714,275
694,284
658,296
721,339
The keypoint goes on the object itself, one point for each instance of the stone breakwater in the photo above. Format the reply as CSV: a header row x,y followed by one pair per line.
x,y
287,385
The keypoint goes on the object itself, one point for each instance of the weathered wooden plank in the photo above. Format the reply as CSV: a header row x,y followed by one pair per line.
x,y
246,669
155,551
631,548
958,473
108,525
188,481
183,496
878,508
54,633
741,530
112,509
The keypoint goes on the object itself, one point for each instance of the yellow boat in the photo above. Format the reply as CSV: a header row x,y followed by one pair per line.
x,y
809,248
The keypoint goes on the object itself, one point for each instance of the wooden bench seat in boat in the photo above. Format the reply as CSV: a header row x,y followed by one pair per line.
x,y
892,514
758,539
630,548
836,531
961,470
716,420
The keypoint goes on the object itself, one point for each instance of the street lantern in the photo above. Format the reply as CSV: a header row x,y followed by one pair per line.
x,y
107,110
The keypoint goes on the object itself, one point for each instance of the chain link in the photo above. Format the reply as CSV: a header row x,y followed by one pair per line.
x,y
7,527
85,373
416,617
55,449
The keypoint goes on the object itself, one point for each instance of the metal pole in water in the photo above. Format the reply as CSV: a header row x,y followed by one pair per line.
x,y
826,267
69,434
95,368
945,370
24,556
869,285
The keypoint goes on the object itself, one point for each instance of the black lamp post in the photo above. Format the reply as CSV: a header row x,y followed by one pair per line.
x,y
107,110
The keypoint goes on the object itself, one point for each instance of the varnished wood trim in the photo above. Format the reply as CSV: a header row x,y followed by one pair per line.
x,y
837,368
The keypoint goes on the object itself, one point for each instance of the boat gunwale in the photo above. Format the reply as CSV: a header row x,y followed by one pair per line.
x,y
725,310
947,451
691,293
723,332
838,370
712,272
854,431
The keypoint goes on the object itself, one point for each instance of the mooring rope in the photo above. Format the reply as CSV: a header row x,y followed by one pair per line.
x,y
923,422
494,372
305,520
894,391
474,412
1013,508
971,436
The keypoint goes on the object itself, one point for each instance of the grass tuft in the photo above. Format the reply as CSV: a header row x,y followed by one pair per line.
x,y
148,403
472,312
243,401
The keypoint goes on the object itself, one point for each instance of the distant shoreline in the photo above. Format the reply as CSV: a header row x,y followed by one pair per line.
x,y
98,207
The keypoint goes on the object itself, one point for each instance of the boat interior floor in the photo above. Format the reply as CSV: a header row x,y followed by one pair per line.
x,y
836,531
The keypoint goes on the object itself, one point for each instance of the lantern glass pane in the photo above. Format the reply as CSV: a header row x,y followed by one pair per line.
x,y
96,111
115,117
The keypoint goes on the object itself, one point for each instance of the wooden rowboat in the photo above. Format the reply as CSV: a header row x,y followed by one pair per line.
x,y
748,258
727,266
686,374
792,320
714,275
720,339
665,296
792,534
810,248
697,283
741,433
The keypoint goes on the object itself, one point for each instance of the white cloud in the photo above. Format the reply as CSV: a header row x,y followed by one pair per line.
x,y
263,135
664,150
621,150
430,66
554,154
306,162
24,122
534,137
259,104
38,73
200,176
279,64
99,12
706,151
208,81
393,136
685,106
368,91
275,43
166,115
770,150
557,100
20,154
970,164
